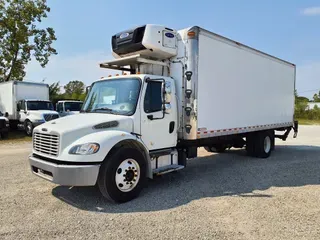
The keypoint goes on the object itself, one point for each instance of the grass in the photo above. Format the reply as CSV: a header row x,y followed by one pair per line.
x,y
17,136
308,122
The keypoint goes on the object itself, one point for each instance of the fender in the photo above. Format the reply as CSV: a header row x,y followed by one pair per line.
x,y
107,140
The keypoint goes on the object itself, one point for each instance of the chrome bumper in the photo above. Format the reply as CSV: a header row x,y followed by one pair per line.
x,y
66,175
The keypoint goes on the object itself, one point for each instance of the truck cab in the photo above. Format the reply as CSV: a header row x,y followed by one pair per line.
x,y
33,112
68,107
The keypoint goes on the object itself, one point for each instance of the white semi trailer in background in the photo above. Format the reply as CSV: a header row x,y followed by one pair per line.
x,y
26,104
183,90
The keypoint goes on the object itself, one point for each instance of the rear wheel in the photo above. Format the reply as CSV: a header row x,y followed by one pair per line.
x,y
260,144
28,127
122,175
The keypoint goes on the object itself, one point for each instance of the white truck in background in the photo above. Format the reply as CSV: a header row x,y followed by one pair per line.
x,y
183,90
68,107
26,104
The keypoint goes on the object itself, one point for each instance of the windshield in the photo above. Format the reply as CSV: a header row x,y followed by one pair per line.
x,y
39,105
118,96
72,106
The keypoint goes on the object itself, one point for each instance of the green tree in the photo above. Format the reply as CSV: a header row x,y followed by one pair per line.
x,y
74,89
21,37
54,91
316,98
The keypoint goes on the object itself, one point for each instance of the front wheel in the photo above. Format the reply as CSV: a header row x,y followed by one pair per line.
x,y
122,175
28,127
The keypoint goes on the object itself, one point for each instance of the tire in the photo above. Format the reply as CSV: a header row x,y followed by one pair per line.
x,y
260,144
217,148
111,179
28,127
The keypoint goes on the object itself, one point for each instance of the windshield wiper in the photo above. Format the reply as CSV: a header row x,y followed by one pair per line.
x,y
104,108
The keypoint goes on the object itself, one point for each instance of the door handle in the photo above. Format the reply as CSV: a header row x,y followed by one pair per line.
x,y
171,127
150,117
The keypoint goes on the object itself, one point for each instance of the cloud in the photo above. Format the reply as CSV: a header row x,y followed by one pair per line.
x,y
83,67
308,79
311,11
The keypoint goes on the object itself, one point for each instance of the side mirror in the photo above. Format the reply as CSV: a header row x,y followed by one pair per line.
x,y
167,108
167,97
168,92
6,114
88,89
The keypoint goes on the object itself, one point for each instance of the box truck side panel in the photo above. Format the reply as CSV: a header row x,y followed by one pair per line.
x,y
239,87
31,91
6,99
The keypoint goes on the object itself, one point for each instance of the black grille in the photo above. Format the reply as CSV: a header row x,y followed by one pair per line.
x,y
49,117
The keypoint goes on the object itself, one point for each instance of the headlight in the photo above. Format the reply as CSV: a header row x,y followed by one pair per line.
x,y
39,120
85,149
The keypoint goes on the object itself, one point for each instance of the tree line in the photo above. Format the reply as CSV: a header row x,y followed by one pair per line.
x,y
302,109
74,90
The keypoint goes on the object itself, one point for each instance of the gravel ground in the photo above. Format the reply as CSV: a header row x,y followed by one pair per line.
x,y
218,196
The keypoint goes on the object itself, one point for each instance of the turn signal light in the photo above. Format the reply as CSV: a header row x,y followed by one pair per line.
x,y
191,34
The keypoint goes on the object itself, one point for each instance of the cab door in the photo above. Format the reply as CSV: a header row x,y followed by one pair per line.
x,y
22,110
158,114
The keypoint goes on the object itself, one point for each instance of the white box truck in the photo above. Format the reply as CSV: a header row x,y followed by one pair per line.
x,y
26,103
183,90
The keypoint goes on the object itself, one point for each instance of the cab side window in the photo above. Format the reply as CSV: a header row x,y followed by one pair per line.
x,y
153,99
20,106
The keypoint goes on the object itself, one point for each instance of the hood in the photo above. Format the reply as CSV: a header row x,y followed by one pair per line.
x,y
72,127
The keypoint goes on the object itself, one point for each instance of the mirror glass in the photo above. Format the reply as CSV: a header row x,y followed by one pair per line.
x,y
168,92
167,108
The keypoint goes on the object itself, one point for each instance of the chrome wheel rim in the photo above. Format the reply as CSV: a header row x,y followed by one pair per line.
x,y
127,175
267,144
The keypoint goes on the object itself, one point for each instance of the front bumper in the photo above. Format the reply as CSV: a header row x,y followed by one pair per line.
x,y
66,175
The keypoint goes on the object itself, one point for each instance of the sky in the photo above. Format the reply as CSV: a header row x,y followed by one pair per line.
x,y
288,29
